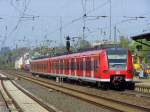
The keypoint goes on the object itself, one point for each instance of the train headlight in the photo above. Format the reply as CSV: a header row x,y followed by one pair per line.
x,y
130,71
106,71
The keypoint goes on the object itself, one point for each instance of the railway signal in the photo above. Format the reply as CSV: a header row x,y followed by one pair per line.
x,y
68,43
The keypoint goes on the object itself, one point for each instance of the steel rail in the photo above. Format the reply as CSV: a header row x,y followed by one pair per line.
x,y
34,98
138,88
19,109
5,101
94,99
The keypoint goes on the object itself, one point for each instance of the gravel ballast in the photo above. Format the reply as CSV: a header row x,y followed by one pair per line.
x,y
59,100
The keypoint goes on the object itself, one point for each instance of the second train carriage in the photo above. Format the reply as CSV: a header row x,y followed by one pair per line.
x,y
106,67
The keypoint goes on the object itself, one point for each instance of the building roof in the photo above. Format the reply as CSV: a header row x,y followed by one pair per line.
x,y
141,36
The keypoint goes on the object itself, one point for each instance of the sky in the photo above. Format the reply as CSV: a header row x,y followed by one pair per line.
x,y
31,22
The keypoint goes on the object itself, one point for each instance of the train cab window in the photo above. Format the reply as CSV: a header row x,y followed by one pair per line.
x,y
117,59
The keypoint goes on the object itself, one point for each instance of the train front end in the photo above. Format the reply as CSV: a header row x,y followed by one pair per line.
x,y
119,68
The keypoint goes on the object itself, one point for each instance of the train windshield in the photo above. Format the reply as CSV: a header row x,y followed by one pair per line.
x,y
117,59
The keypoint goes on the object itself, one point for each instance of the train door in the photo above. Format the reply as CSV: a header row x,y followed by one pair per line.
x,y
67,66
96,62
81,67
61,66
73,66
77,66
57,67
48,66
88,66
44,66
84,67
52,67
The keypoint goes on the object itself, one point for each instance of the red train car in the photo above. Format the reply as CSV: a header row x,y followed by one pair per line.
x,y
106,67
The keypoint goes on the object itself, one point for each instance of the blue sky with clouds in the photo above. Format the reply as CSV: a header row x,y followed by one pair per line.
x,y
46,25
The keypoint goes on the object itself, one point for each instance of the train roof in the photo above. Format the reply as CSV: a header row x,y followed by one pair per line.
x,y
39,59
80,54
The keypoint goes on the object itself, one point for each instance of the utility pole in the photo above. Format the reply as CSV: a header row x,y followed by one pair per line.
x,y
115,35
100,33
110,21
60,30
84,26
84,17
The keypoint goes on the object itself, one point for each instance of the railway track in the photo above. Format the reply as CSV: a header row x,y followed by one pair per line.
x,y
91,98
127,93
10,91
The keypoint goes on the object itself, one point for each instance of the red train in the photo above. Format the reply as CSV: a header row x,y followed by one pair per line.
x,y
106,67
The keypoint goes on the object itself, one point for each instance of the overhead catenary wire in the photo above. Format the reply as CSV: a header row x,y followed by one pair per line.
x,y
19,20
79,18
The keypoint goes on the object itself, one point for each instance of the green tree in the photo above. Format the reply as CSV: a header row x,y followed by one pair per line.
x,y
124,42
82,44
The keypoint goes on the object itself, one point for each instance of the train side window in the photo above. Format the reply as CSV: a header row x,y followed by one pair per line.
x,y
81,65
78,65
96,63
72,64
84,65
56,66
75,65
45,66
67,64
59,64
52,66
92,65
62,65
88,64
